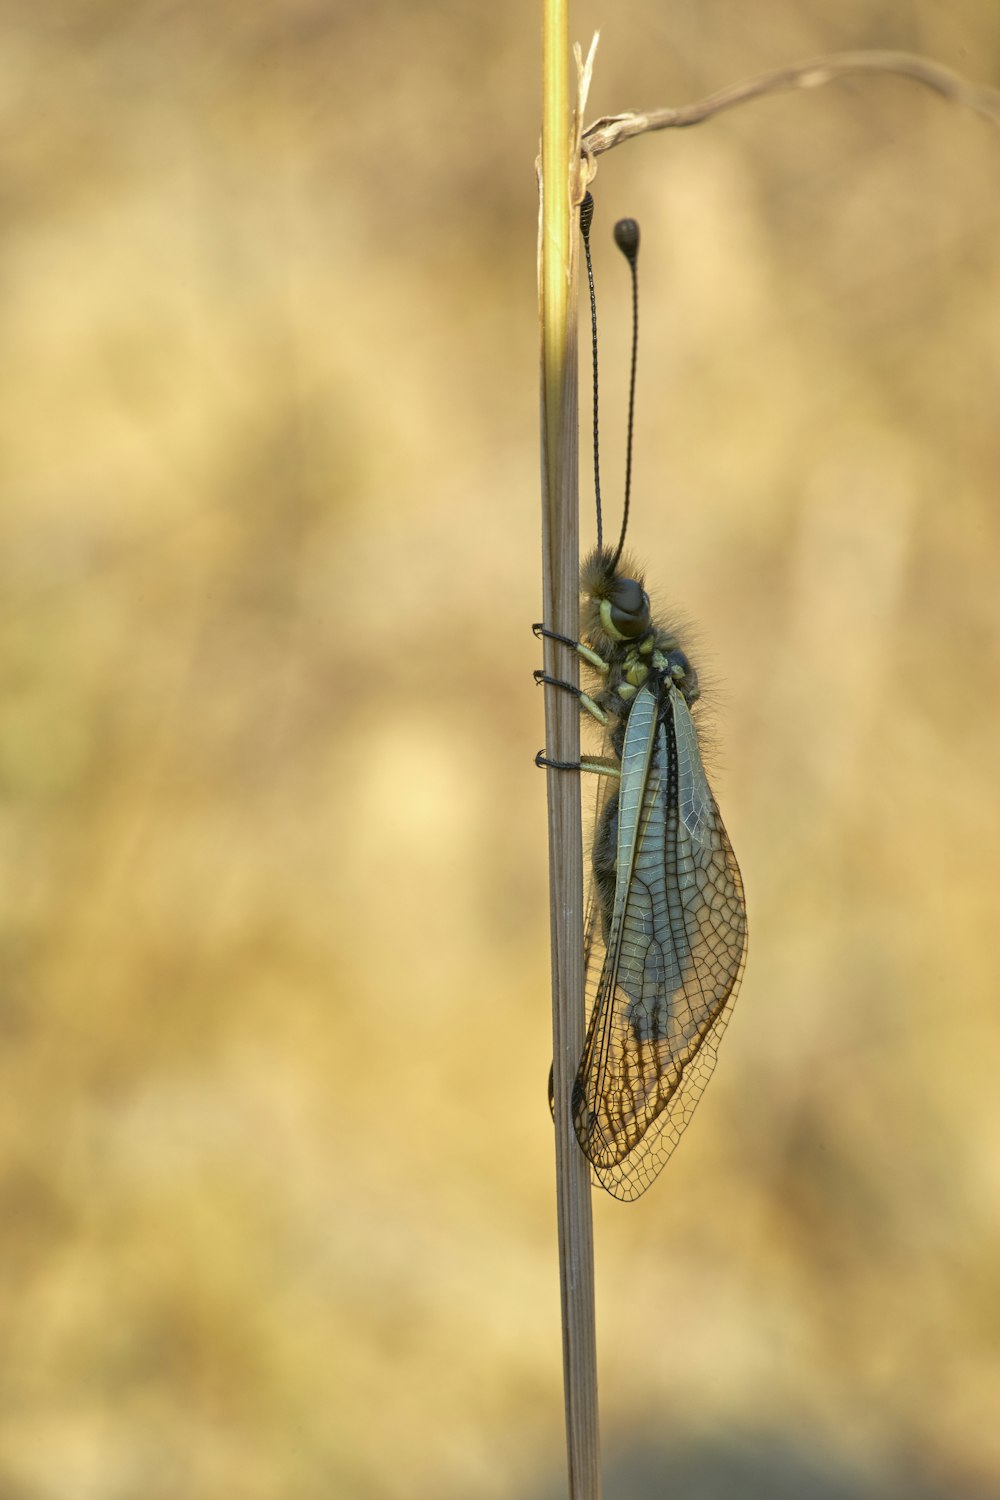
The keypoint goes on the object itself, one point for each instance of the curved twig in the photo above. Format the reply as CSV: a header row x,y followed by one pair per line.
x,y
612,130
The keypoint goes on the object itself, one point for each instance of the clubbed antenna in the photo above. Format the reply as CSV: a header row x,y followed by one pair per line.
x,y
586,216
627,240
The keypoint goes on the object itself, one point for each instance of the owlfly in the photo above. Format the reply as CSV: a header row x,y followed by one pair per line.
x,y
666,927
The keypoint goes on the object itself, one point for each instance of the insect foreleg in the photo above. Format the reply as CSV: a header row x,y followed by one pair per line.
x,y
588,654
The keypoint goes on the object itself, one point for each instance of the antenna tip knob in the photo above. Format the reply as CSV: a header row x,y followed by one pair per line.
x,y
586,214
627,239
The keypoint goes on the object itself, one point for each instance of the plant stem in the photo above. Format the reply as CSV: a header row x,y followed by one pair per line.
x,y
560,582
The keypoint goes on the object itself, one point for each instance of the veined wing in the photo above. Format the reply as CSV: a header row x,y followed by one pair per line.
x,y
674,954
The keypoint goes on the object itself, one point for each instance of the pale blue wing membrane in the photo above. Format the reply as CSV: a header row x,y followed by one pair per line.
x,y
637,753
694,799
674,953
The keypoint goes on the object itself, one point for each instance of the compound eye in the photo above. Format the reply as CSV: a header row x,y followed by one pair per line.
x,y
629,608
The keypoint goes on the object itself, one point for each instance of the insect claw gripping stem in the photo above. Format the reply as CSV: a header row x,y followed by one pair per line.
x,y
543,763
539,630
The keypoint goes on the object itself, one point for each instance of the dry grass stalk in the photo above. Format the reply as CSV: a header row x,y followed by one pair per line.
x,y
560,553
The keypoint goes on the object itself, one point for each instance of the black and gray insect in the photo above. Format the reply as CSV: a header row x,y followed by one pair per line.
x,y
666,928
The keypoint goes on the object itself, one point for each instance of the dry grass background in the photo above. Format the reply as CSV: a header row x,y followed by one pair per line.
x,y
275,1158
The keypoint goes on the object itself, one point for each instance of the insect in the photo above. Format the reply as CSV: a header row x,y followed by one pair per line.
x,y
665,936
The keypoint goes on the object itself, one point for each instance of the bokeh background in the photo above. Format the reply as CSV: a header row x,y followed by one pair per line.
x,y
276,1180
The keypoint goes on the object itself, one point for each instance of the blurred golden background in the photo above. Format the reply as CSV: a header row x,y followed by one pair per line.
x,y
276,1161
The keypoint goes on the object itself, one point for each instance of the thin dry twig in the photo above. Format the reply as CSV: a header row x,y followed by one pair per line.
x,y
612,130
560,169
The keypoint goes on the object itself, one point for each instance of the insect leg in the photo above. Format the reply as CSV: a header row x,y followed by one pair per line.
x,y
567,640
596,765
586,702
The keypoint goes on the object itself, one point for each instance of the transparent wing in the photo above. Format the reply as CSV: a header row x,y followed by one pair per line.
x,y
672,955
